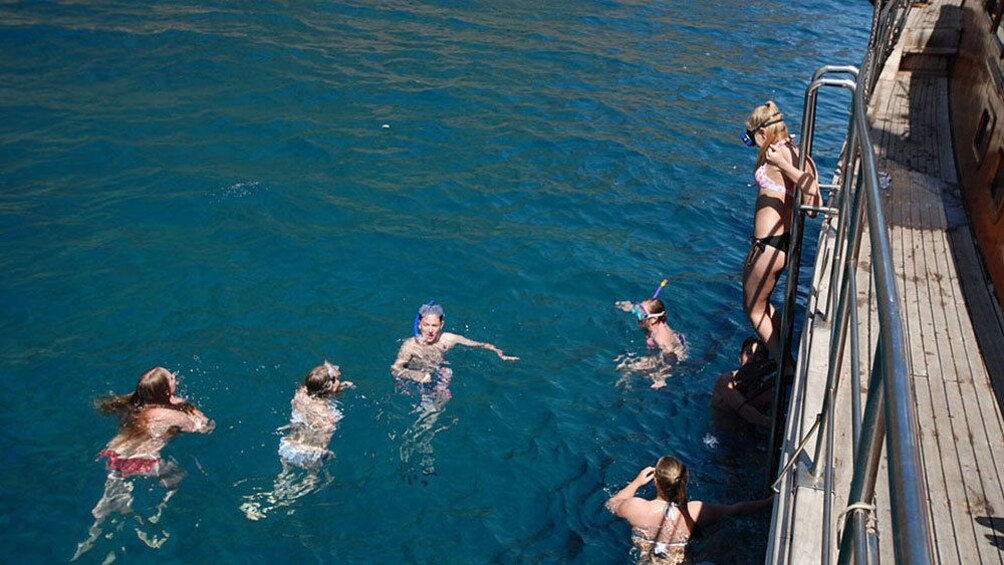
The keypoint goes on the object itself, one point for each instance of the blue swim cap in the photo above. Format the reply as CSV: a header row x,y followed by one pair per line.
x,y
429,308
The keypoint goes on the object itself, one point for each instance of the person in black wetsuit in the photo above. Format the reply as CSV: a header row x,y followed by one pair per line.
x,y
749,390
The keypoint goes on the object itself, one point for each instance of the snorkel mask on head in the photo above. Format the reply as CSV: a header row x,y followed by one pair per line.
x,y
430,308
749,136
639,310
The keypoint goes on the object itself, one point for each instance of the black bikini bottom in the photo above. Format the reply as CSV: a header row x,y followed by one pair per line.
x,y
757,245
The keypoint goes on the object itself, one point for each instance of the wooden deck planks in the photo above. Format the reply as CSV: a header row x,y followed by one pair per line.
x,y
945,509
978,421
904,250
949,421
959,420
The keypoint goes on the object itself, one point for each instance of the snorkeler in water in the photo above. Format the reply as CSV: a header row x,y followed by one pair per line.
x,y
671,347
421,360
304,448
421,357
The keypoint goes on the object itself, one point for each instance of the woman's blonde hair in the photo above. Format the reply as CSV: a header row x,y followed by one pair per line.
x,y
671,477
769,117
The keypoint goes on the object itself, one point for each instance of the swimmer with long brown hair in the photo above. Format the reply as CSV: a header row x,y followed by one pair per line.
x,y
148,418
663,526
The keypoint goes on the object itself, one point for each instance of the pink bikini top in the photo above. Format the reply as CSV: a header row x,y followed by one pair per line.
x,y
766,183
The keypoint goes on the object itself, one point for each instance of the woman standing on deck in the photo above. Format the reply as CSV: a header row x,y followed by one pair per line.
x,y
777,178
148,418
662,527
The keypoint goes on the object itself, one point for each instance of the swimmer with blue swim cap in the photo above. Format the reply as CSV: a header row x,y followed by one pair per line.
x,y
421,357
672,346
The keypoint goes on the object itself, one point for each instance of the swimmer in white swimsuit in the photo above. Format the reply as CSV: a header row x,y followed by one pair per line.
x,y
315,417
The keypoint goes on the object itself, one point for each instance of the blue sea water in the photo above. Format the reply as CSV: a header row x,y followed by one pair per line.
x,y
237,191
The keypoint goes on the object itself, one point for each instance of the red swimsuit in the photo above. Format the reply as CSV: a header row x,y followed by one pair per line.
x,y
127,467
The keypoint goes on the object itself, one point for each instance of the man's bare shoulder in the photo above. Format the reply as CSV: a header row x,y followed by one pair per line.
x,y
450,339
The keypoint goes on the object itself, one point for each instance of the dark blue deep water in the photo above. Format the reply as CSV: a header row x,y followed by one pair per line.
x,y
237,191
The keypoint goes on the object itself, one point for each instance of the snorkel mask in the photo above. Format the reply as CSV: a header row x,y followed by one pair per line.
x,y
639,310
430,308
749,136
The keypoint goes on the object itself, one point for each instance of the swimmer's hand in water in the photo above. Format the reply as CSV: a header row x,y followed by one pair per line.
x,y
346,384
625,305
206,426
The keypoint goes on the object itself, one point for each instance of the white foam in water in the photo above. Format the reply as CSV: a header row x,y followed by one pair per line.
x,y
710,441
237,191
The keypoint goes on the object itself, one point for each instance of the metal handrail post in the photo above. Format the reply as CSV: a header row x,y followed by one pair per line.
x,y
909,500
865,467
849,174
832,69
838,334
855,370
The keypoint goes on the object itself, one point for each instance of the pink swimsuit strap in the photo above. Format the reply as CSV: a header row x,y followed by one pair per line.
x,y
766,183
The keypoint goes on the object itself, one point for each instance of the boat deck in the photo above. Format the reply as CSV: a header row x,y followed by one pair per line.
x,y
937,273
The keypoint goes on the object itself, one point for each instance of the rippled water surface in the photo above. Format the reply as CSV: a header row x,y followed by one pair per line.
x,y
239,190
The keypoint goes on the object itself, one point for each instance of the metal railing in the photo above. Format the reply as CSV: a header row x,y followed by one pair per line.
x,y
889,415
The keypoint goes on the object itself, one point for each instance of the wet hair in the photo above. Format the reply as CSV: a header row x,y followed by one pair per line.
x,y
755,349
152,390
761,117
671,477
318,380
431,309
655,306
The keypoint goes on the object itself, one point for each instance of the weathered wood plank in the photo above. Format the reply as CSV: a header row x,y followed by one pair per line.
x,y
930,452
952,525
982,421
916,301
949,413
